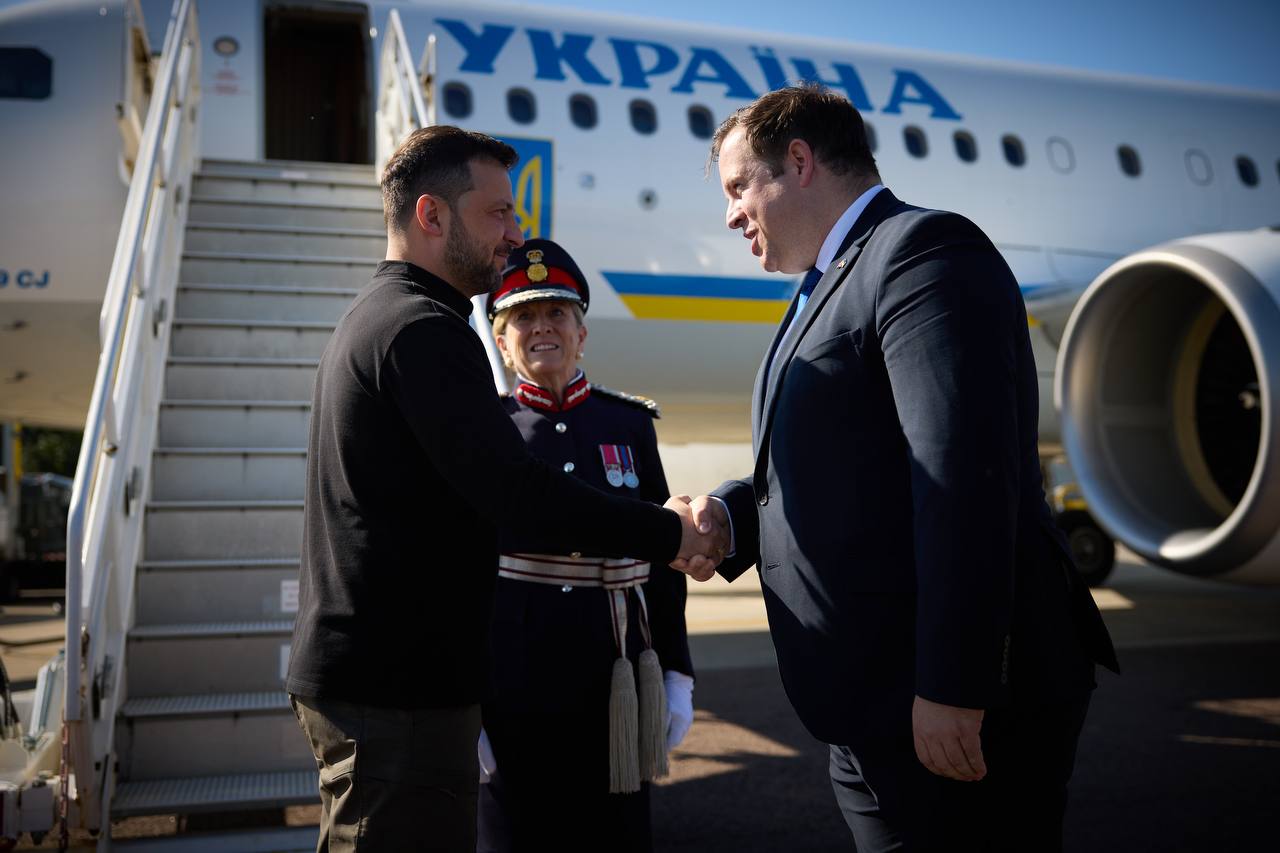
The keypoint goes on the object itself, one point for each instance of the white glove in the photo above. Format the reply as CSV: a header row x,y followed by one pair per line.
x,y
679,706
484,751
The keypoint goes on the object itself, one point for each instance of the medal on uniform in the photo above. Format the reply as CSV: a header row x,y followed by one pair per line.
x,y
612,464
629,476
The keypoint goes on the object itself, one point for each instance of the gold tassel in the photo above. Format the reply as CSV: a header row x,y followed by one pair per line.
x,y
624,758
653,718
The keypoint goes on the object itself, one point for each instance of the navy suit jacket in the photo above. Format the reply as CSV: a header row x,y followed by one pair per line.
x,y
896,512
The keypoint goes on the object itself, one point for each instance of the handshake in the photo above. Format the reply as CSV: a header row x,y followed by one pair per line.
x,y
705,538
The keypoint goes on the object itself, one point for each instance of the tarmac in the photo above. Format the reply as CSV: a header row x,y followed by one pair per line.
x,y
1180,753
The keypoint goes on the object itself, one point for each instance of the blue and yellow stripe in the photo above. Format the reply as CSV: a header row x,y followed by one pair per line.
x,y
703,297
725,299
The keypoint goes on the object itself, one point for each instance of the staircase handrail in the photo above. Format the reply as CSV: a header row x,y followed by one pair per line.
x,y
402,109
104,519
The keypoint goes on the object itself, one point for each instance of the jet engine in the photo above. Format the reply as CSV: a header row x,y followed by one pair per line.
x,y
1167,384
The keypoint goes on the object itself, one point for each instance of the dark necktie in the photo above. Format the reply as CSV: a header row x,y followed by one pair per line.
x,y
811,279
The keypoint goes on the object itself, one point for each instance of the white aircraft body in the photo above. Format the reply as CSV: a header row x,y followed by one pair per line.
x,y
1168,381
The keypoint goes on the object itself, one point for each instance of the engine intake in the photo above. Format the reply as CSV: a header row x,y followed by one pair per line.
x,y
1167,384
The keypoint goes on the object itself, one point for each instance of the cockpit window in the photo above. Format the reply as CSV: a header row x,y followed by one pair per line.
x,y
26,73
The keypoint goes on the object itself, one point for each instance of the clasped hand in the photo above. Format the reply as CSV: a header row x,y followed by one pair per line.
x,y
705,539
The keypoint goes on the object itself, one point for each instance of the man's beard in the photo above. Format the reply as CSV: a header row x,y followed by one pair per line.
x,y
468,262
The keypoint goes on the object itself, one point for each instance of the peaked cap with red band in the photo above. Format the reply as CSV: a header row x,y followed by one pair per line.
x,y
538,270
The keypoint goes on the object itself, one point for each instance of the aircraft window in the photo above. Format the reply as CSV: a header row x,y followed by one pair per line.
x,y
1199,169
25,74
1247,171
1061,156
582,111
644,118
521,106
917,144
872,142
1013,150
457,100
1129,162
966,146
701,124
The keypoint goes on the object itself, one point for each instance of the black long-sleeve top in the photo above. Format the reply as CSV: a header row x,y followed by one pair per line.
x,y
413,466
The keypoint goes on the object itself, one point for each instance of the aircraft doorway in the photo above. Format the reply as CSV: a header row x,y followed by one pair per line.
x,y
318,76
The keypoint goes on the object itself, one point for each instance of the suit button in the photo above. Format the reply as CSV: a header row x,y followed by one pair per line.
x,y
576,554
568,467
763,500
562,427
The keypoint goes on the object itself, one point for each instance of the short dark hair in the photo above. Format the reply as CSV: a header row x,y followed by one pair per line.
x,y
435,161
808,111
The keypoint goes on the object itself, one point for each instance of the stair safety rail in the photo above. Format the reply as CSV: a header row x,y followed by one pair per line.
x,y
104,524
402,109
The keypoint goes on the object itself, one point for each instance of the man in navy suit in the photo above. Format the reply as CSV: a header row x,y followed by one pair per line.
x,y
928,622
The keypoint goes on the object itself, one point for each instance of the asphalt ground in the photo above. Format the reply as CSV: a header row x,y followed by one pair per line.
x,y
1180,753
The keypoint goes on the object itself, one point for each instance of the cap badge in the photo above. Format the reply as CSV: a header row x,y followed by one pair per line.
x,y
537,272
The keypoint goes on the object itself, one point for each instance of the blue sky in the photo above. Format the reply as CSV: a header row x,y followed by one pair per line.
x,y
1225,42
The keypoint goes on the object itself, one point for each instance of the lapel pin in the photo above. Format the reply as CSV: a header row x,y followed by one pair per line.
x,y
840,265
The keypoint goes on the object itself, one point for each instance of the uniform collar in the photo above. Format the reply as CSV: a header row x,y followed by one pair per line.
x,y
435,287
536,397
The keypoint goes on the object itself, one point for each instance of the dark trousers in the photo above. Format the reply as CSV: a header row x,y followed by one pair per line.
x,y
891,803
551,789
392,779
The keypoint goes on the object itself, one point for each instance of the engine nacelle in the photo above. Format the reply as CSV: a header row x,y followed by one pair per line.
x,y
1167,384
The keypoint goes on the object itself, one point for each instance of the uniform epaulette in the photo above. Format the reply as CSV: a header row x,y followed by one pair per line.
x,y
631,399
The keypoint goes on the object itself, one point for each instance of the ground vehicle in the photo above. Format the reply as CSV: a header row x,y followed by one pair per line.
x,y
33,546
1093,550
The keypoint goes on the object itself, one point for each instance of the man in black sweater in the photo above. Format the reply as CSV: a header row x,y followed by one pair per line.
x,y
413,465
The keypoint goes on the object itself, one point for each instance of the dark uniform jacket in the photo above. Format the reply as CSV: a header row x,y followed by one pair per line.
x,y
554,646
412,467
896,510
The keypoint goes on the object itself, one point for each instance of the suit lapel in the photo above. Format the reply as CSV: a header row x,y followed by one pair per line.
x,y
773,374
763,374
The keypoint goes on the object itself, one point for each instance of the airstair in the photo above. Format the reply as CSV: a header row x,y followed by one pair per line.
x,y
273,253
185,525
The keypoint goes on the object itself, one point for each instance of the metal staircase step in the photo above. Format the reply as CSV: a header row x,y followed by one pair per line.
x,y
266,627
205,704
301,187
188,591
250,338
235,378
206,734
213,423
285,240
263,302
287,839
208,657
228,473
286,168
303,213
224,530
198,565
244,268
234,792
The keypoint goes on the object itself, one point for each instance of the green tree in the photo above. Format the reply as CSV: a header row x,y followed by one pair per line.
x,y
52,451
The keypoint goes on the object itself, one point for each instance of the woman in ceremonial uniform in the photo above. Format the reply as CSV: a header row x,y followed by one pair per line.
x,y
592,682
